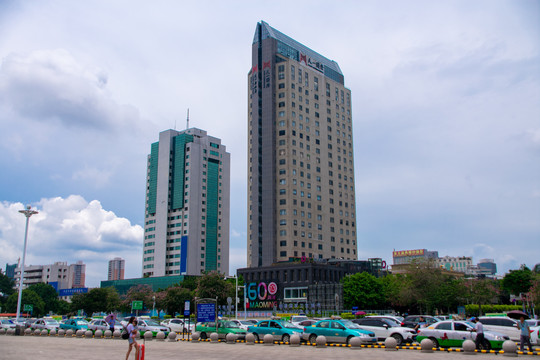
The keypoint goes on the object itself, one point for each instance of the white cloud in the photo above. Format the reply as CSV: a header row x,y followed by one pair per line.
x,y
71,229
51,85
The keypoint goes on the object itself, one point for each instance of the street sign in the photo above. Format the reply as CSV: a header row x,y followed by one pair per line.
x,y
229,300
28,307
186,308
206,312
137,305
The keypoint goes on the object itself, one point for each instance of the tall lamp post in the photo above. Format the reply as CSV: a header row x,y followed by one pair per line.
x,y
28,212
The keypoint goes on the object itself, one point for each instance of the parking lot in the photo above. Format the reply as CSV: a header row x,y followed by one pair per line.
x,y
47,347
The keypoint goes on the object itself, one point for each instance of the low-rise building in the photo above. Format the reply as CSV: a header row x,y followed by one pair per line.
x,y
60,275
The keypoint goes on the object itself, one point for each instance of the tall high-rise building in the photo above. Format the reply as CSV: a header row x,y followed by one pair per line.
x,y
187,205
116,269
300,163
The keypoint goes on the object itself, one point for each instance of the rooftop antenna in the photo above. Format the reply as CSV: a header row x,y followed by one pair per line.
x,y
187,121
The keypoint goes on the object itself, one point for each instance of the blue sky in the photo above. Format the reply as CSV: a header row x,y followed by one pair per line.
x,y
446,111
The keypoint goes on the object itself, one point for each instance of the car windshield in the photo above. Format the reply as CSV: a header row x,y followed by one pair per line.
x,y
469,324
82,322
6,322
52,322
350,325
288,325
230,324
151,322
245,322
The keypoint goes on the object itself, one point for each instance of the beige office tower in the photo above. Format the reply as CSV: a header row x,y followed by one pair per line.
x,y
301,203
117,267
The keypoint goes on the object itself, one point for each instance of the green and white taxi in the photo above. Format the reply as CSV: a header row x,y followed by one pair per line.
x,y
281,330
224,327
453,333
337,331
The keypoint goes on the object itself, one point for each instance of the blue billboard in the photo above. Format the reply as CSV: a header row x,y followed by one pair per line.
x,y
206,312
71,292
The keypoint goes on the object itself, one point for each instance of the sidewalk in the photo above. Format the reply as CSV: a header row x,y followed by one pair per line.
x,y
44,348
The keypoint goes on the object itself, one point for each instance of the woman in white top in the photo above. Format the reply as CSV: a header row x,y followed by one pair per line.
x,y
132,331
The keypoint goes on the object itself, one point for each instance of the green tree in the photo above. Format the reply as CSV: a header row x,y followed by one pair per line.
x,y
212,285
189,282
482,292
48,294
363,290
142,293
96,300
425,279
28,297
175,298
7,285
518,281
63,307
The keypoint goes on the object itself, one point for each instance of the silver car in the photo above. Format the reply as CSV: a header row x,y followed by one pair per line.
x,y
48,324
100,324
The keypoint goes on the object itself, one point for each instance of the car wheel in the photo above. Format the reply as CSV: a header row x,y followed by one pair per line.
x,y
256,336
313,338
399,339
435,342
485,345
286,338
348,340
203,336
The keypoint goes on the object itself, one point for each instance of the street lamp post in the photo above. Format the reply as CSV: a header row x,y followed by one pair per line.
x,y
28,212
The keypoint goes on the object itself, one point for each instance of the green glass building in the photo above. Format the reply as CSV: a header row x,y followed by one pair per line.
x,y
186,228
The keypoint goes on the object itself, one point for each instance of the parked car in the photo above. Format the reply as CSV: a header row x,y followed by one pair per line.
x,y
74,324
397,319
533,322
412,320
307,323
535,335
146,324
384,328
7,324
48,324
224,327
178,325
101,324
243,324
450,333
297,319
501,324
28,323
337,331
279,329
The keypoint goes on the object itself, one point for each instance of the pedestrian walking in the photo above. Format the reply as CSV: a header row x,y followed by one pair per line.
x,y
132,331
525,335
479,329
111,320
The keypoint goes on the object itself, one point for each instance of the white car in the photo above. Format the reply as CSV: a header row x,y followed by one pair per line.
x,y
146,324
243,324
48,324
179,326
7,324
384,328
297,319
535,335
398,319
501,324
100,324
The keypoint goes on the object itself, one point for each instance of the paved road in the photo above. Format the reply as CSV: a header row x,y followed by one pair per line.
x,y
43,348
